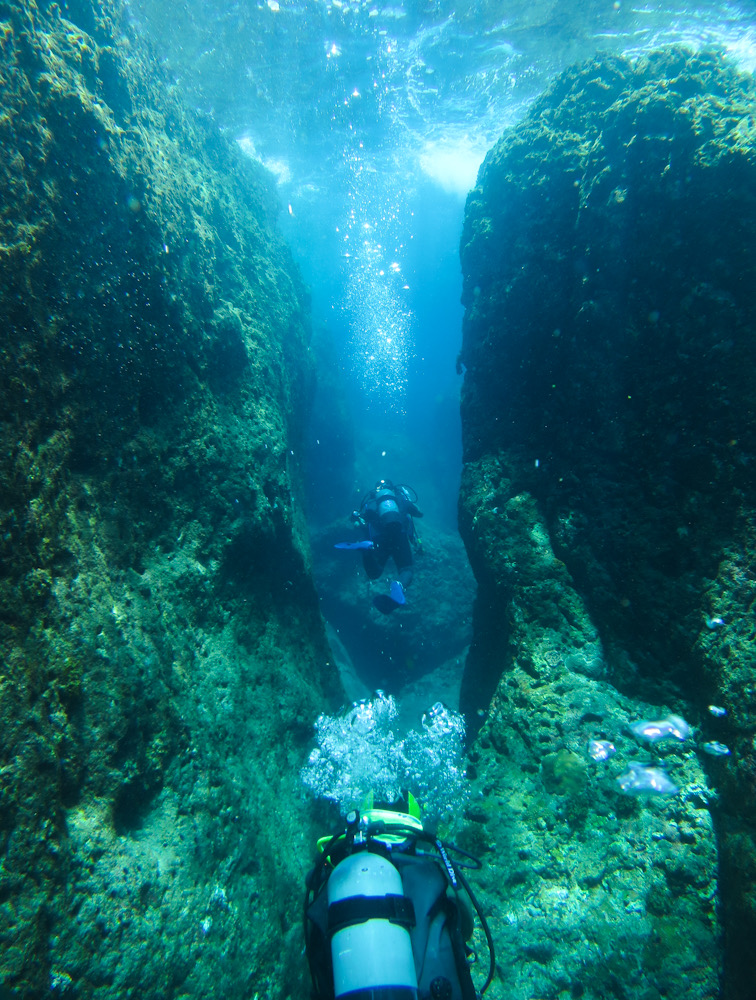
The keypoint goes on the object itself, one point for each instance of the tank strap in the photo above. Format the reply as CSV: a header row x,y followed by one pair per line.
x,y
357,909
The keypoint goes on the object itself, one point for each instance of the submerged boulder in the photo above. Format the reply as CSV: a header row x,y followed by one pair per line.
x,y
162,651
608,507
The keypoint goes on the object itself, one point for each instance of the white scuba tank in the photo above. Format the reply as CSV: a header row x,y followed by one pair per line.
x,y
374,953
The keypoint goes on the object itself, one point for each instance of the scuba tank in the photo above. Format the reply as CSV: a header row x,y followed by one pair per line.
x,y
386,506
387,501
386,918
369,916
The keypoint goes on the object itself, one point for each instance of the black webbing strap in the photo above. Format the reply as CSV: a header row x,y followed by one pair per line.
x,y
357,909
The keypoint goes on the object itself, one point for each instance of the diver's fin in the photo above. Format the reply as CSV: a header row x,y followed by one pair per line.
x,y
385,604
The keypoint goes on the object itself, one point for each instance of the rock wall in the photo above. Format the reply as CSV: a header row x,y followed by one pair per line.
x,y
608,510
163,655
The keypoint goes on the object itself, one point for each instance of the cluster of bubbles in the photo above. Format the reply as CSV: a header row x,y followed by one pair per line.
x,y
649,779
358,753
374,228
374,239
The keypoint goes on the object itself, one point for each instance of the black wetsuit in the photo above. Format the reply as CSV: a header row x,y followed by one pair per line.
x,y
388,514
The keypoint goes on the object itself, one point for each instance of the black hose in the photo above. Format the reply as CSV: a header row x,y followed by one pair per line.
x,y
484,925
476,864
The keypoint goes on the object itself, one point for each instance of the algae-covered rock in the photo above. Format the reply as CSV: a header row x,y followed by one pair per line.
x,y
607,507
586,887
162,649
564,773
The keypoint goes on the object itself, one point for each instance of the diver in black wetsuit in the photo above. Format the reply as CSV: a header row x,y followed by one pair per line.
x,y
386,514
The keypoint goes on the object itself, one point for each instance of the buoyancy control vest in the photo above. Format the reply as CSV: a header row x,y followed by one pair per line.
x,y
386,921
387,504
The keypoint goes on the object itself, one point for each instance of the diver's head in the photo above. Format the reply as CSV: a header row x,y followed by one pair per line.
x,y
383,484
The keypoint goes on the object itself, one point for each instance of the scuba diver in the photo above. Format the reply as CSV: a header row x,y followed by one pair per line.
x,y
385,515
389,913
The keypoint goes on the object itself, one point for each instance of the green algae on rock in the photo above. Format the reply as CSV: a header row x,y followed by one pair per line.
x,y
162,649
607,507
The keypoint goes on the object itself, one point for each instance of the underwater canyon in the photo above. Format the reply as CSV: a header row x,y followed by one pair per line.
x,y
164,654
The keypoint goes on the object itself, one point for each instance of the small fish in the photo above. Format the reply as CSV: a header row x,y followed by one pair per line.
x,y
717,711
354,545
640,779
715,622
673,727
601,749
715,749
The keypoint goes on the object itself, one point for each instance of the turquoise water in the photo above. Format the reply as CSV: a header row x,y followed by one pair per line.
x,y
374,118
166,671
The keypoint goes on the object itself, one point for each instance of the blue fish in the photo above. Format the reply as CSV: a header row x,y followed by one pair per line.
x,y
717,712
715,749
640,779
674,727
365,544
